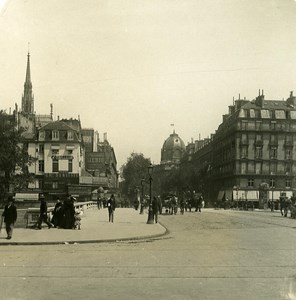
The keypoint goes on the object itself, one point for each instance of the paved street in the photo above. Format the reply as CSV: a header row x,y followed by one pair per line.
x,y
215,254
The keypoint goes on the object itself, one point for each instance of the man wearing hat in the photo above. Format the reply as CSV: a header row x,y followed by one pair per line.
x,y
10,216
43,213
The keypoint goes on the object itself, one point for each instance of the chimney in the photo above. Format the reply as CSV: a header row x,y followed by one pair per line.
x,y
105,137
291,100
51,111
259,101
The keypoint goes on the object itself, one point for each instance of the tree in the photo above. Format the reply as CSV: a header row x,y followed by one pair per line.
x,y
14,157
133,171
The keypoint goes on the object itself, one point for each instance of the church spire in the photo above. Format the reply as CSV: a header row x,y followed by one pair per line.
x,y
28,98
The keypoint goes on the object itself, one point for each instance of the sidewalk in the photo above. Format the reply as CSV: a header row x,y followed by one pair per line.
x,y
95,228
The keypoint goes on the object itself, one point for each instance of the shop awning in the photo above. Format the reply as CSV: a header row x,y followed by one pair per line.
x,y
275,196
252,195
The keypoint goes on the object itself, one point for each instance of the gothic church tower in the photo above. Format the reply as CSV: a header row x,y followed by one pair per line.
x,y
28,97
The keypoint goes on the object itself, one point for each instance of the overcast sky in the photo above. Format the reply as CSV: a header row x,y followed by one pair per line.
x,y
132,68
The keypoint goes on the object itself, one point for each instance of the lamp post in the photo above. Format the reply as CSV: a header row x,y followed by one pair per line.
x,y
150,212
236,188
142,197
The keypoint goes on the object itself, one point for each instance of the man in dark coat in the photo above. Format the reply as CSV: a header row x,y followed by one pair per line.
x,y
111,208
43,213
10,216
155,208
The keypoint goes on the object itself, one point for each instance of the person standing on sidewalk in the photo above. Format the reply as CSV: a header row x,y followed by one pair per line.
x,y
155,208
111,208
43,213
10,215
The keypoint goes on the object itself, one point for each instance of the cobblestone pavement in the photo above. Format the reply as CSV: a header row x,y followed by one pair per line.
x,y
215,254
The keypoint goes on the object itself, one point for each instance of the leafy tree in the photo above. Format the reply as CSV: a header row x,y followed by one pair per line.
x,y
14,158
133,171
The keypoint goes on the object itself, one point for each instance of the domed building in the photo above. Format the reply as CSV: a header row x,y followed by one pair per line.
x,y
172,151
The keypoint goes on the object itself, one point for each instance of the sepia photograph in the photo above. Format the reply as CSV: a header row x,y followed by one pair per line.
x,y
148,149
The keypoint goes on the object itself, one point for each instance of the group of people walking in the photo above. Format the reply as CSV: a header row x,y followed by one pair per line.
x,y
63,215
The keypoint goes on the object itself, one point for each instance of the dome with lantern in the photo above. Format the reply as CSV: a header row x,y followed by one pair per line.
x,y
172,150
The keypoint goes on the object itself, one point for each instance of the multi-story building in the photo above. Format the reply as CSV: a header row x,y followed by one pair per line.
x,y
251,155
59,150
59,158
100,160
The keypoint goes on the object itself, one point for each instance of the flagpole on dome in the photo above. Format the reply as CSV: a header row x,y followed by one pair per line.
x,y
173,125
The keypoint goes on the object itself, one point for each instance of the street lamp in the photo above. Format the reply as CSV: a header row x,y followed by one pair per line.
x,y
150,212
142,198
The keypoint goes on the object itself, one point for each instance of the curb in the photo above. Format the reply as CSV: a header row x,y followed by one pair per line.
x,y
76,242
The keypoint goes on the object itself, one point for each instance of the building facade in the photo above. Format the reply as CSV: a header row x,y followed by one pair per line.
x,y
59,150
251,155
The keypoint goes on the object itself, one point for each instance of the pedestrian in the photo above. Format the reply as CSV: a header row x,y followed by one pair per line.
x,y
43,213
111,204
57,214
10,215
155,208
199,203
69,212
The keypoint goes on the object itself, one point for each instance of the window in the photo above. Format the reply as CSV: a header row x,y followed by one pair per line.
x,y
288,168
55,185
258,167
244,152
251,182
272,125
243,168
272,167
288,154
40,184
272,183
258,125
41,148
55,165
70,152
258,138
70,135
41,165
288,183
273,152
70,165
244,125
55,135
258,152
280,114
273,139
244,138
265,114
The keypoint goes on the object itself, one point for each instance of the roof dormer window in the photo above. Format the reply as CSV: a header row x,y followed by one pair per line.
x,y
70,135
55,135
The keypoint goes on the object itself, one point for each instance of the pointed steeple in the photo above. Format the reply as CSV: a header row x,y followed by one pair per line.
x,y
28,98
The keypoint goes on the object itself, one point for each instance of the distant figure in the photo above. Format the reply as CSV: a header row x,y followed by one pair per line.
x,y
10,215
155,208
43,213
69,212
159,205
111,208
199,203
57,214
